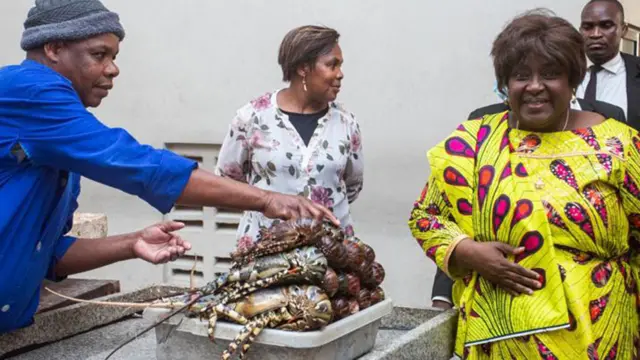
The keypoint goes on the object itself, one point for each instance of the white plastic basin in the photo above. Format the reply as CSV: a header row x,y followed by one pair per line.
x,y
186,338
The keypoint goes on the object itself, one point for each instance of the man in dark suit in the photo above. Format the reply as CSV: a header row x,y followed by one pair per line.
x,y
613,77
441,291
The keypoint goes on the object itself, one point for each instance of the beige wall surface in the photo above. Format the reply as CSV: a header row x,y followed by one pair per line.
x,y
632,11
414,70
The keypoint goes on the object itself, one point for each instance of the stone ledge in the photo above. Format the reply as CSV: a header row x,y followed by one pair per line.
x,y
434,339
404,318
423,333
71,320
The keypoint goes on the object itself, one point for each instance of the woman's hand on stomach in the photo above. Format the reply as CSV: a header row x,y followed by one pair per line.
x,y
489,260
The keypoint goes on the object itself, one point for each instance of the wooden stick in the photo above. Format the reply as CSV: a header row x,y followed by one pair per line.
x,y
120,304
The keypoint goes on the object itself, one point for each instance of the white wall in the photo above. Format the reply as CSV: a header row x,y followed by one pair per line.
x,y
632,11
414,70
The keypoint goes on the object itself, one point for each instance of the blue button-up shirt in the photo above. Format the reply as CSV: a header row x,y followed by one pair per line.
x,y
48,140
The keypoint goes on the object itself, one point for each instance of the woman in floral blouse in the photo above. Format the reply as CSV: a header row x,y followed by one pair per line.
x,y
298,140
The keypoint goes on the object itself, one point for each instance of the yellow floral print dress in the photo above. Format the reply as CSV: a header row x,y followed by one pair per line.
x,y
572,199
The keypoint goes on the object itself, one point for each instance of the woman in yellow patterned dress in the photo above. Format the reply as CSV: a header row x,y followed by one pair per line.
x,y
535,212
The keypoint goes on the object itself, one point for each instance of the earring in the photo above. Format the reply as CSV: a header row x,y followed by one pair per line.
x,y
304,83
574,99
504,95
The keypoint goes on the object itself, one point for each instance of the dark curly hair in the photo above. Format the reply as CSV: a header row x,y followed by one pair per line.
x,y
540,33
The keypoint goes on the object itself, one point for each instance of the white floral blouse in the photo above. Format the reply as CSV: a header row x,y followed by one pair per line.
x,y
262,148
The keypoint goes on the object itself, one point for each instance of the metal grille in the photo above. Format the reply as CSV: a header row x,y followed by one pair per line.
x,y
211,231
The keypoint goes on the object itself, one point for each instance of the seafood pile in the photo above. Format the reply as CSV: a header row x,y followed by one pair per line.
x,y
344,267
299,276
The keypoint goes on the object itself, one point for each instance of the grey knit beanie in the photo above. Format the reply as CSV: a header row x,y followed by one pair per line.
x,y
59,20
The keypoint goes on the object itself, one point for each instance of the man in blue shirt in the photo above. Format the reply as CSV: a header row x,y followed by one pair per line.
x,y
48,140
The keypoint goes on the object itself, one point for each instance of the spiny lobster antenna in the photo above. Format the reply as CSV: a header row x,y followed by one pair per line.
x,y
186,306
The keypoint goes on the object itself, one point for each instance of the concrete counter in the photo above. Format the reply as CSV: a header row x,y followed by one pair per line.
x,y
404,334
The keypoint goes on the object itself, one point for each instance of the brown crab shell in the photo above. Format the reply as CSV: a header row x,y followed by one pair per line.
x,y
340,307
334,251
378,273
354,307
377,295
366,275
369,253
364,298
355,255
349,284
330,282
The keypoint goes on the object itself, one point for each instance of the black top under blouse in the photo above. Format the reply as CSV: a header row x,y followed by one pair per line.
x,y
305,124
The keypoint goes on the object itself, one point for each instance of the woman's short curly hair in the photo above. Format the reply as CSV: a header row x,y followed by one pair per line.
x,y
539,33
303,45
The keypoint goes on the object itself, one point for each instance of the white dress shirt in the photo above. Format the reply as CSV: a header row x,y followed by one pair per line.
x,y
612,83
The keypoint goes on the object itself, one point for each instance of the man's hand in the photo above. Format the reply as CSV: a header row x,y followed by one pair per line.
x,y
285,207
206,189
157,244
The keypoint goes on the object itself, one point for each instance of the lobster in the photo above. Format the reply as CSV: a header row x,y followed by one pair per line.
x,y
292,307
301,265
282,236
264,287
305,263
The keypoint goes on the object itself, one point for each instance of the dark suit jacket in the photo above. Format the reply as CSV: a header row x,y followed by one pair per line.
x,y
632,64
441,283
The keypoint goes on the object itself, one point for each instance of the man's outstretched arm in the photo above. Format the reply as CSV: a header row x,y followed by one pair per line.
x,y
156,244
62,134
207,189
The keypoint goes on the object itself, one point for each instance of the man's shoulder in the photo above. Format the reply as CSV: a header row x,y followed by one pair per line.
x,y
488,110
630,56
28,75
631,59
603,108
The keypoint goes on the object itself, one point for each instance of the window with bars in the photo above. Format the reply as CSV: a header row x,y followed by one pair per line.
x,y
211,231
